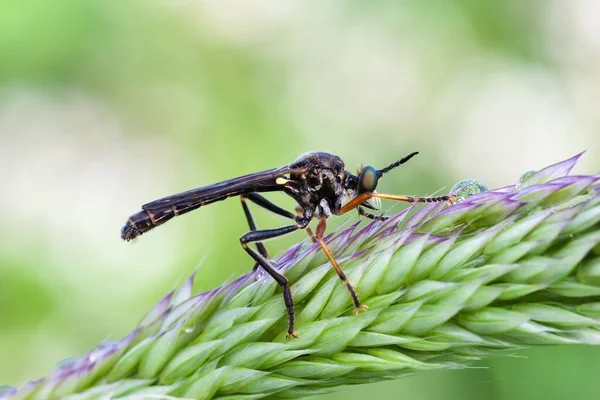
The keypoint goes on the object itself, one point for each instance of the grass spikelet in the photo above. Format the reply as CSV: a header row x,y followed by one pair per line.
x,y
504,269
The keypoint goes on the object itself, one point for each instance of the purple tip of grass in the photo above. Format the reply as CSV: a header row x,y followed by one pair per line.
x,y
196,303
150,327
345,234
402,237
359,235
371,228
183,294
540,191
304,251
394,221
290,254
225,292
81,367
238,283
127,340
506,189
374,226
435,239
35,383
455,208
64,373
214,293
158,310
560,169
87,368
581,181
414,236
509,206
30,388
189,283
422,214
7,391
164,302
486,196
102,352
362,231
386,230
357,254
77,367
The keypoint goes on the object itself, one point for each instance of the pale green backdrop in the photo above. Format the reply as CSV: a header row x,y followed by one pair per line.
x,y
105,105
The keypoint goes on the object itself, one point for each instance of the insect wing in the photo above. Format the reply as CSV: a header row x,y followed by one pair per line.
x,y
263,181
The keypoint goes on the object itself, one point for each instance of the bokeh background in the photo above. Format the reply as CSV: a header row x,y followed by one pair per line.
x,y
105,105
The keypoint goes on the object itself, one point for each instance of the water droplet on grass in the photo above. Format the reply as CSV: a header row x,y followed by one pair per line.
x,y
467,188
526,176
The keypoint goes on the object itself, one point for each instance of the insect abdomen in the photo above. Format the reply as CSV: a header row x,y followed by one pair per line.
x,y
143,221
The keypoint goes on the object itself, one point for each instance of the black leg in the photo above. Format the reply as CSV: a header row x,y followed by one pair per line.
x,y
256,236
412,199
311,235
263,202
362,212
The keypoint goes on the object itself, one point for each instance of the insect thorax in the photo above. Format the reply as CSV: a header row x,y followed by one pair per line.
x,y
320,186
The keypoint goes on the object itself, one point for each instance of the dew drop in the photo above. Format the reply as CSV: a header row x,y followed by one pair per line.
x,y
189,330
526,176
467,188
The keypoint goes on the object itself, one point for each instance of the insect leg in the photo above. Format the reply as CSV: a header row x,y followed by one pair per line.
x,y
263,202
361,198
320,231
267,204
355,202
311,235
256,236
362,212
412,199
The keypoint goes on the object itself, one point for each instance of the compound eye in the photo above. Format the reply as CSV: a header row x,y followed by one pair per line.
x,y
367,181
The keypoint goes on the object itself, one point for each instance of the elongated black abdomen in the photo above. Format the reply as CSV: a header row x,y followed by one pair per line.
x,y
143,221
160,211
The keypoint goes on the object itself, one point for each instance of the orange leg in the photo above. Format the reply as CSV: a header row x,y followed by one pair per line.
x,y
319,237
355,202
361,198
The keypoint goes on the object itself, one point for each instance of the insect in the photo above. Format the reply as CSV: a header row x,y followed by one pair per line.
x,y
319,183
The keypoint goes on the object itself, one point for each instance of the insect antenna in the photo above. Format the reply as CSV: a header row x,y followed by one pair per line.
x,y
397,163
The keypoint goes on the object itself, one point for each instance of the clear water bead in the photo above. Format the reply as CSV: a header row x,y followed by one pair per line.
x,y
526,176
467,188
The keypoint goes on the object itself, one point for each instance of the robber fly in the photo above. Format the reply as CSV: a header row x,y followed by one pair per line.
x,y
319,183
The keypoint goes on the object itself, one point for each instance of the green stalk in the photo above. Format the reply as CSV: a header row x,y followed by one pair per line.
x,y
445,285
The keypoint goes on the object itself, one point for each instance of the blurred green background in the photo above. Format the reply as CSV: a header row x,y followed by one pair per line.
x,y
105,105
